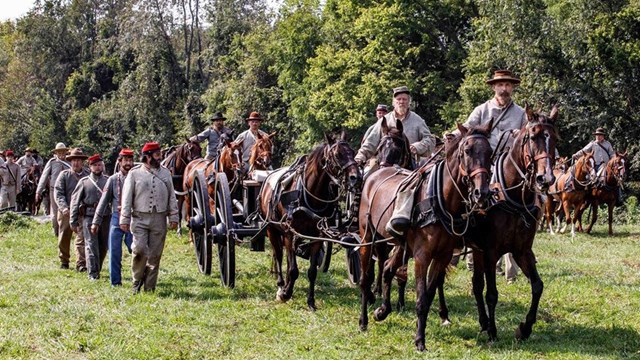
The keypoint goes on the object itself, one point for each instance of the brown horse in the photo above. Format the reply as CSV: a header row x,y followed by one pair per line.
x,y
574,187
176,159
26,200
522,174
261,153
552,204
294,207
605,193
455,189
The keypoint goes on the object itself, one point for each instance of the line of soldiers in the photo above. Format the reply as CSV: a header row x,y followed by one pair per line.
x,y
12,173
137,201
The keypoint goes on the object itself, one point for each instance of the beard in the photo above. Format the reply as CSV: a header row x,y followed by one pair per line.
x,y
97,173
153,162
127,167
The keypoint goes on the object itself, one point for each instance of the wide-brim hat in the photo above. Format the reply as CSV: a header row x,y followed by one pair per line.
x,y
599,131
254,116
217,116
401,90
60,147
76,153
503,75
29,149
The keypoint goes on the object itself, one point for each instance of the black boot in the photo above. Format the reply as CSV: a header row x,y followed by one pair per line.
x,y
619,200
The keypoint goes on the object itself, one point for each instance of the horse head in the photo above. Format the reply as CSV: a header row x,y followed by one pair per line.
x,y
585,169
340,164
261,152
618,166
191,151
561,164
472,153
394,146
539,141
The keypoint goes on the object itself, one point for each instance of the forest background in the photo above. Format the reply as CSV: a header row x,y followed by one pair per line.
x,y
103,74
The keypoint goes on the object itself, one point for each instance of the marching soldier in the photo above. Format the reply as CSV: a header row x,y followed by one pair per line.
x,y
47,182
11,181
27,160
148,200
65,184
111,198
84,202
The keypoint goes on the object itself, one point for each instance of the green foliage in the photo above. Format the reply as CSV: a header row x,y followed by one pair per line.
x,y
11,221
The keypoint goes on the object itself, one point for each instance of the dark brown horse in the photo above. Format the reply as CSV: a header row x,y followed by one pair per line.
x,y
456,187
295,206
261,153
176,159
26,200
606,192
552,204
523,174
574,187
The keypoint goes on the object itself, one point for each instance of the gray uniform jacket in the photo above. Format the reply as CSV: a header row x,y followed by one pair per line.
x,y
514,118
50,173
414,128
602,152
247,144
148,191
85,197
213,137
65,184
26,162
111,196
10,175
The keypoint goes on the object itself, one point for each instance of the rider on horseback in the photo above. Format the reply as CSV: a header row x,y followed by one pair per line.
x,y
214,134
602,153
421,144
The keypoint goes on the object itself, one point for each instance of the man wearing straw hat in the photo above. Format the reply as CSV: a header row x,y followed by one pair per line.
x,y
11,181
148,200
84,201
65,184
249,137
47,181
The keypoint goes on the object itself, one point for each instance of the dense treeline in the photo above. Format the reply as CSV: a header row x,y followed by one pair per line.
x,y
107,73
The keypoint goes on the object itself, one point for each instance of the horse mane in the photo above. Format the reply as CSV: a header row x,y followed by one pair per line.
x,y
314,159
255,149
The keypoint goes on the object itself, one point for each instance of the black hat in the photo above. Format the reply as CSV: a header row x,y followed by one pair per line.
x,y
217,116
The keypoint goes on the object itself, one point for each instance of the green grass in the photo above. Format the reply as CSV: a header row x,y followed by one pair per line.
x,y
589,309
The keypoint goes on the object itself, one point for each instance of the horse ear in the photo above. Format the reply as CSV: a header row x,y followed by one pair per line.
x,y
399,126
529,111
272,135
343,136
554,113
384,128
238,143
328,139
259,135
487,127
463,130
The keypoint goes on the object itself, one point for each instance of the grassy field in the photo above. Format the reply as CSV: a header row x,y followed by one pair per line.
x,y
589,309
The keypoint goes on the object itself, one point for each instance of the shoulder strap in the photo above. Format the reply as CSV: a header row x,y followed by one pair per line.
x,y
502,115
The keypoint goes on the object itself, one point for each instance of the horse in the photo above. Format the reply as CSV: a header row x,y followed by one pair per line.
x,y
261,152
552,204
574,187
294,201
26,200
605,193
456,188
521,175
176,159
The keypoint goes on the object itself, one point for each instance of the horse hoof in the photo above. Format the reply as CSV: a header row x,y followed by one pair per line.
x,y
446,322
312,307
420,346
280,295
380,314
522,333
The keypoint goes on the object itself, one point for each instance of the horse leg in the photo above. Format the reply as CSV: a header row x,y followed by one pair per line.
x,y
276,256
425,298
292,268
390,268
477,281
366,275
382,252
567,216
594,216
443,310
180,204
610,210
527,263
491,296
401,278
312,274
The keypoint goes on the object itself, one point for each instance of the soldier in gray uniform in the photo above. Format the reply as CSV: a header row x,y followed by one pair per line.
x,y
27,160
84,201
11,176
602,153
213,134
507,116
421,145
148,200
248,138
65,184
111,198
47,181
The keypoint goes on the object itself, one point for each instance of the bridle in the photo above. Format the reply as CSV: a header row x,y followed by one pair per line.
x,y
467,177
530,159
334,169
386,142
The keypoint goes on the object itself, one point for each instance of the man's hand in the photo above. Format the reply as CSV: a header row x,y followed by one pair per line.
x,y
413,149
124,227
94,229
75,228
173,225
65,211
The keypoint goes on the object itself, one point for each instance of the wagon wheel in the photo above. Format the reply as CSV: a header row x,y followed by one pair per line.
x,y
199,222
221,231
353,259
325,256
